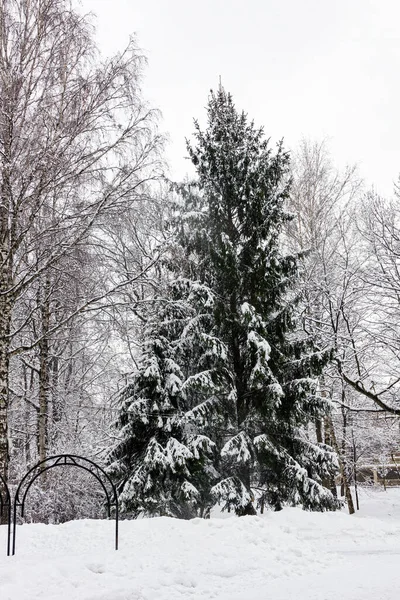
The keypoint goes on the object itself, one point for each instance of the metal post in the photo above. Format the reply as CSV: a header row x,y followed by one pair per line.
x,y
6,504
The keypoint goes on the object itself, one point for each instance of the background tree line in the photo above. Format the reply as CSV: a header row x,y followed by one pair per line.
x,y
92,242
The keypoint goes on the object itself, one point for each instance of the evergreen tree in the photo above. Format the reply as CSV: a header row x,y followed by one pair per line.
x,y
161,461
244,378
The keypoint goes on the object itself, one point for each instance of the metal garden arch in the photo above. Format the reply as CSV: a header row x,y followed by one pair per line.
x,y
65,460
5,505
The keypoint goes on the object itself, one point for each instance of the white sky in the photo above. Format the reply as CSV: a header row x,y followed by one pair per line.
x,y
300,68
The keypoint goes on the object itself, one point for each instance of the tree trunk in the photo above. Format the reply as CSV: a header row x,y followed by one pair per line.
x,y
28,387
44,376
55,396
342,464
5,325
318,430
5,321
328,482
7,236
344,435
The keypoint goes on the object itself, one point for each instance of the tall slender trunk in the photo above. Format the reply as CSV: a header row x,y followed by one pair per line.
x,y
330,482
318,430
5,322
344,436
323,428
342,464
55,395
5,325
28,388
44,376
355,471
7,238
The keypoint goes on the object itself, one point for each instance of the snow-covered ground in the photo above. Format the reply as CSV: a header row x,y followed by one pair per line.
x,y
291,555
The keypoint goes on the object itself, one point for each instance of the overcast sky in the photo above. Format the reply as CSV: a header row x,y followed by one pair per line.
x,y
300,68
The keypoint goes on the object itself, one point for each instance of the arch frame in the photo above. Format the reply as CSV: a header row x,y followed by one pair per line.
x,y
64,460
5,504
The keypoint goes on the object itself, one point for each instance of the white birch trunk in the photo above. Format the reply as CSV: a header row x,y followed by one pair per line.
x,y
5,322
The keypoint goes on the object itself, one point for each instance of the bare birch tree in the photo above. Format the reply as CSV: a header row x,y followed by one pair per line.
x,y
320,199
77,145
351,302
377,378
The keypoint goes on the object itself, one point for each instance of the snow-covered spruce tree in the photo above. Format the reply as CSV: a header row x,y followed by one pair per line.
x,y
219,406
161,462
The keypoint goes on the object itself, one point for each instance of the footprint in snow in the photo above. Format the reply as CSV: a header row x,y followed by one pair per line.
x,y
96,568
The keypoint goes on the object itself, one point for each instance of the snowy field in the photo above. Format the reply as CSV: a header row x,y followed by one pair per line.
x,y
291,555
